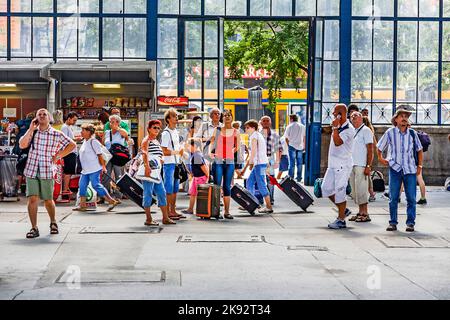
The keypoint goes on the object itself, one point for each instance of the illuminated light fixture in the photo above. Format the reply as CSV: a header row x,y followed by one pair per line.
x,y
8,85
106,86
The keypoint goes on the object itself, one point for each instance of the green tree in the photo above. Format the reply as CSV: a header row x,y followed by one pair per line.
x,y
279,47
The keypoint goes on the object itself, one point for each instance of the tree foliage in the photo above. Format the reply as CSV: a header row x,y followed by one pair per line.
x,y
279,47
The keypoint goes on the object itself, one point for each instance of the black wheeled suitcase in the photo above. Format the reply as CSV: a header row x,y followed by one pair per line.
x,y
208,201
131,188
244,198
296,193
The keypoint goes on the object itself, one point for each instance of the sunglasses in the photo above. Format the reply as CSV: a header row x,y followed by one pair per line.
x,y
156,128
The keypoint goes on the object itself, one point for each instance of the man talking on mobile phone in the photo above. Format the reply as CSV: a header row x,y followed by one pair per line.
x,y
340,164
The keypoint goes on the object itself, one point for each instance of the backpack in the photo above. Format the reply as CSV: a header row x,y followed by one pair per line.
x,y
424,140
23,156
120,154
378,181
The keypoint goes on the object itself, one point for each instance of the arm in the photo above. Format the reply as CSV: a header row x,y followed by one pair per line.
x,y
144,148
337,138
420,158
211,145
205,170
123,133
64,152
25,141
370,156
382,160
102,162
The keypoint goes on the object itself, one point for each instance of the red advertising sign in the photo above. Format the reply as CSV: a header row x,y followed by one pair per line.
x,y
173,101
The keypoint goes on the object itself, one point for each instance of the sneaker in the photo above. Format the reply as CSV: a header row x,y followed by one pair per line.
x,y
347,212
372,199
392,227
386,195
410,228
338,224
422,201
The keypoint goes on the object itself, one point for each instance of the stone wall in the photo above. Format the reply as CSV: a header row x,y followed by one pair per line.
x,y
436,159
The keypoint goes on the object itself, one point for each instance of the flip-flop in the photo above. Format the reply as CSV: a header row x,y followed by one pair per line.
x,y
170,221
362,218
174,217
151,224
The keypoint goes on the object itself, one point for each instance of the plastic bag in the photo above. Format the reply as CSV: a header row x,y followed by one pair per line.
x,y
8,176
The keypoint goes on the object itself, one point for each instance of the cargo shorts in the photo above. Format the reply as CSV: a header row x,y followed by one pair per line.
x,y
40,187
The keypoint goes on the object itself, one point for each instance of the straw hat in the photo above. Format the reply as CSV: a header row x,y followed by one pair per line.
x,y
401,109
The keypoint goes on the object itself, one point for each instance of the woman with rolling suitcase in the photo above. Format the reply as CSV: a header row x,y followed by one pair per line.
x,y
152,154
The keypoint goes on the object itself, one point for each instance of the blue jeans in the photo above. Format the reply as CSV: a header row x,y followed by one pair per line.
x,y
225,172
409,183
159,190
171,184
94,179
258,176
295,158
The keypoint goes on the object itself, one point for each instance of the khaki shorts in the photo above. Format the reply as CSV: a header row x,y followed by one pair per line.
x,y
40,187
360,185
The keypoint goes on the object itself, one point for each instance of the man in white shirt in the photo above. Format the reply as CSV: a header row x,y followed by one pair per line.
x,y
170,143
296,140
362,163
340,163
70,161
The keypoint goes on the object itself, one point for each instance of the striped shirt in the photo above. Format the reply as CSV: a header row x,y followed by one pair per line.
x,y
272,142
155,150
400,149
46,144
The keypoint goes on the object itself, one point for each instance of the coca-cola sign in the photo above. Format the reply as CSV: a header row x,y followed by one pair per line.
x,y
173,101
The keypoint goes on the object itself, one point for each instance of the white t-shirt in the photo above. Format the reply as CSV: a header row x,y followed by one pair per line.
x,y
67,130
362,139
295,133
284,146
89,152
166,142
261,152
341,157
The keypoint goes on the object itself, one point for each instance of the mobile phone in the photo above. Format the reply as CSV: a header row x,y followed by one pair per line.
x,y
339,116
36,122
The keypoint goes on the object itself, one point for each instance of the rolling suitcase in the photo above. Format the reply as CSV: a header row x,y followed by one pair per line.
x,y
131,188
8,178
244,198
208,201
296,193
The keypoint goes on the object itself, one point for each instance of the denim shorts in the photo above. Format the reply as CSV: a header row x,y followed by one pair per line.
x,y
171,184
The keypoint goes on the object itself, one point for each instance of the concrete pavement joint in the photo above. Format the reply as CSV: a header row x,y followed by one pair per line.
x,y
15,297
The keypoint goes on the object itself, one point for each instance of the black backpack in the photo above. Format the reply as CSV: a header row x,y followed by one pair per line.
x,y
23,157
121,154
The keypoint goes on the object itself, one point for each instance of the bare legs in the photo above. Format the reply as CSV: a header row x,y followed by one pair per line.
x,y
33,203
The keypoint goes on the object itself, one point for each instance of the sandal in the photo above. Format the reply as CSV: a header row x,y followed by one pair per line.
x,y
228,216
363,218
187,212
34,233
169,221
112,206
54,228
354,218
82,209
151,224
174,217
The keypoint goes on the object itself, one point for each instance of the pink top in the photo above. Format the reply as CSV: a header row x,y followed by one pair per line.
x,y
225,145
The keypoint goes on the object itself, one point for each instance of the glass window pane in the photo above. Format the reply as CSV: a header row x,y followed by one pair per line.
x,y
446,41
281,7
319,39
168,6
305,8
112,37
383,8
406,81
42,37
429,8
67,37
193,41
327,112
89,6
191,7
65,6
330,81
135,6
113,6
88,37
3,37
383,40
446,8
167,38
211,39
382,113
407,8
167,77
328,7
331,49
362,40
135,37
193,79
407,40
211,79
428,82
45,5
318,80
215,7
2,5
362,8
361,81
21,6
427,114
383,73
21,36
260,7
429,40
236,8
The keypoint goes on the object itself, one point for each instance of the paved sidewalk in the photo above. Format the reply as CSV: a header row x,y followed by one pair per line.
x,y
286,255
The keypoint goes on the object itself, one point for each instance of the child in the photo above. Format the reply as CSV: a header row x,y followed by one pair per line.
x,y
200,172
284,159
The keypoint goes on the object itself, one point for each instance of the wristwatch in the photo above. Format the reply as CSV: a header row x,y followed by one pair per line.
x,y
420,166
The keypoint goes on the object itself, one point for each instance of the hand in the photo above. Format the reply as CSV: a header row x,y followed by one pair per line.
x,y
336,122
367,171
148,171
104,170
384,162
34,124
419,171
181,152
55,159
251,166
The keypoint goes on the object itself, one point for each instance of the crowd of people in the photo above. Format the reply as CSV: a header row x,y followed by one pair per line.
x,y
216,151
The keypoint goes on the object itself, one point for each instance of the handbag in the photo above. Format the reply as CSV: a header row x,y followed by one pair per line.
x,y
181,172
155,174
318,187
378,181
23,157
120,153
